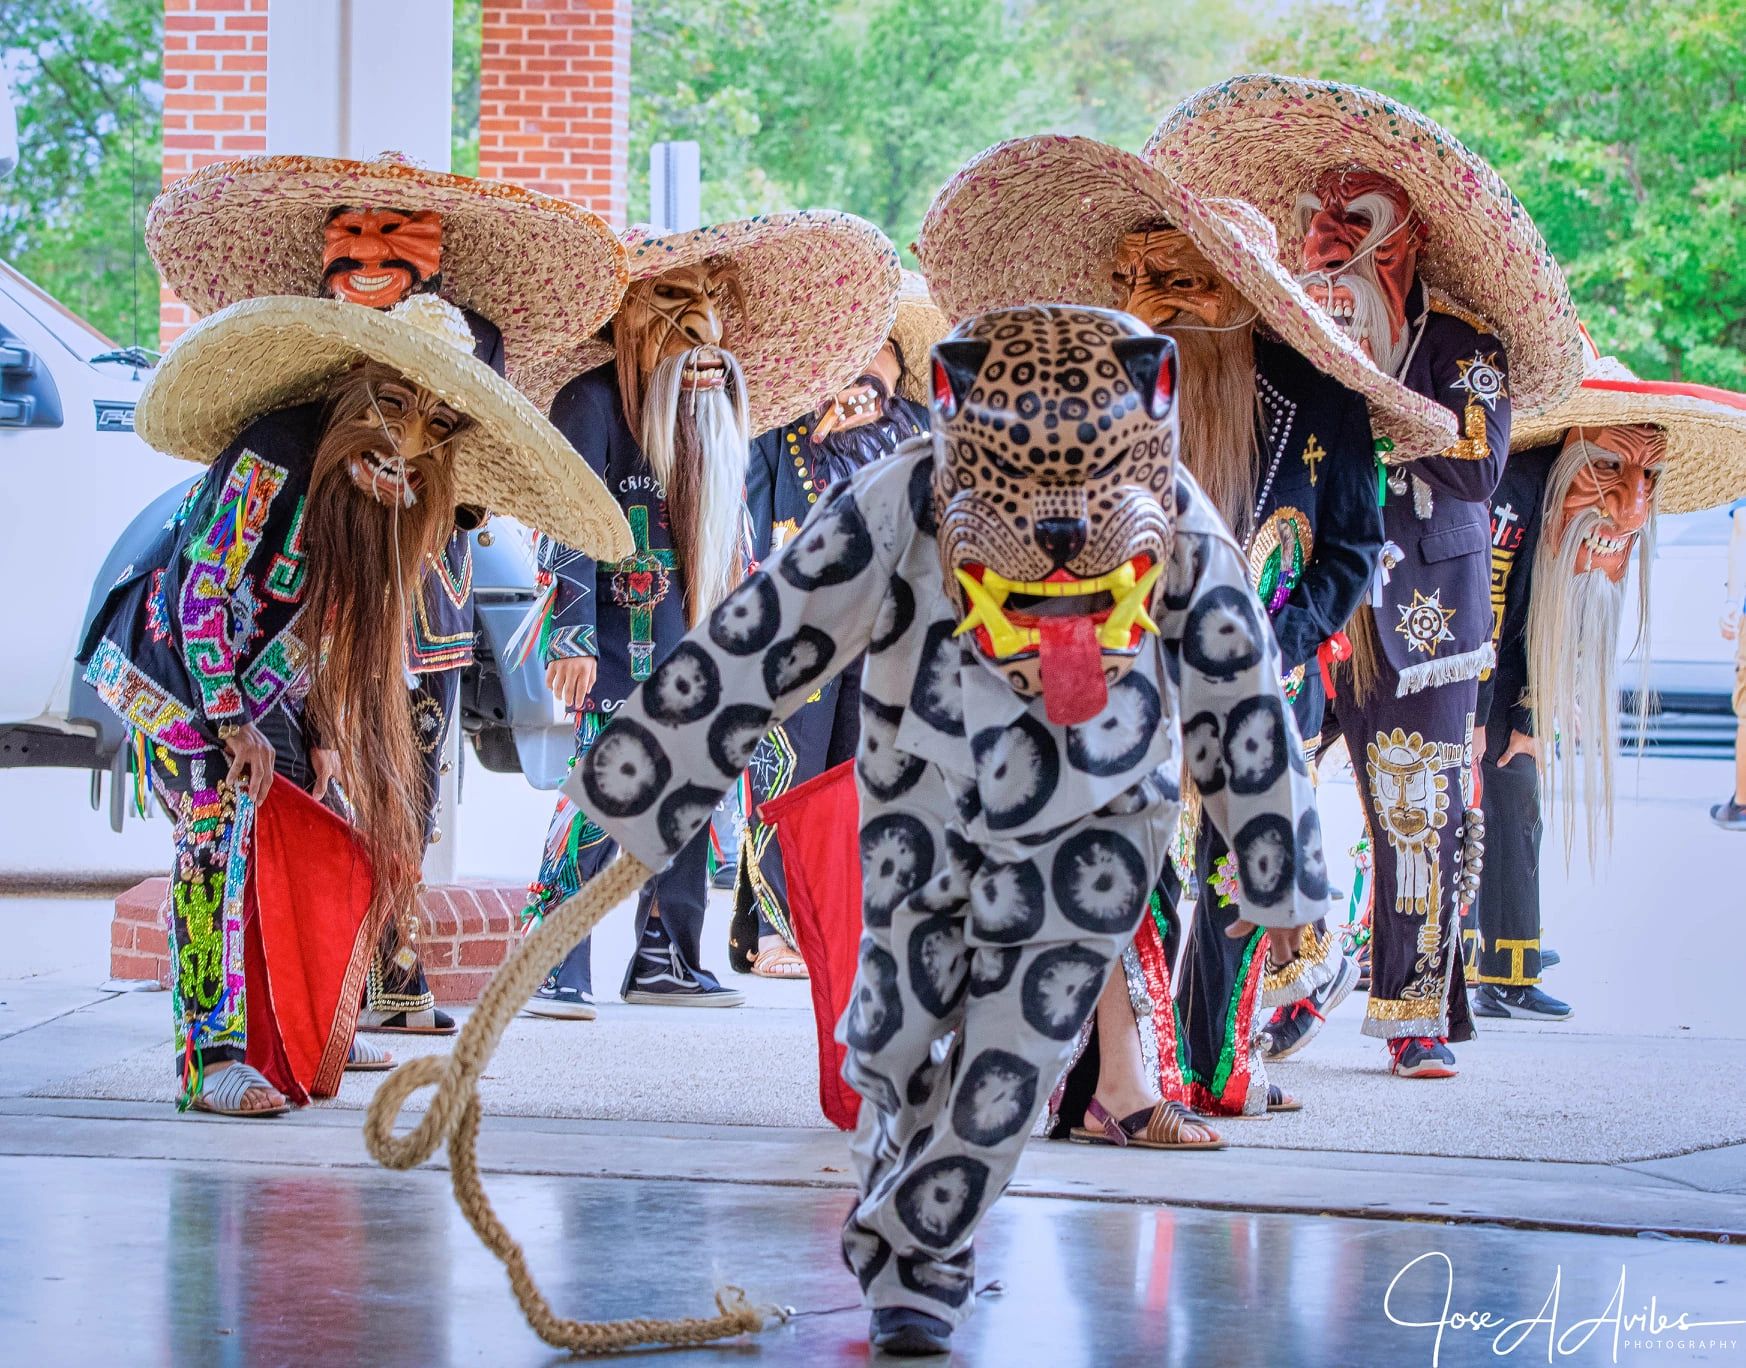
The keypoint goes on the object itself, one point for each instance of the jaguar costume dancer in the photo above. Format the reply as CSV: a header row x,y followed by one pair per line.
x,y
374,233
1469,310
1275,429
791,467
303,541
1578,500
724,331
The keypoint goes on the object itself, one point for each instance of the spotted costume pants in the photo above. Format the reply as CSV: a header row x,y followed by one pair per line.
x,y
1413,758
979,966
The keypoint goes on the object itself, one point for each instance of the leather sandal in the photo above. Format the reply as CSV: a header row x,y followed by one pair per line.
x,y
222,1093
1278,1100
1160,1126
367,1058
431,1021
779,962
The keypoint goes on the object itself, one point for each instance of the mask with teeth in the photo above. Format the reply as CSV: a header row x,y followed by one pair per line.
x,y
1361,244
1054,489
688,312
376,257
1610,494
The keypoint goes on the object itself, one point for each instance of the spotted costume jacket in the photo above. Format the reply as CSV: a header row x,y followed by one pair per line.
x,y
1317,531
1433,606
785,476
202,630
630,613
1517,520
968,794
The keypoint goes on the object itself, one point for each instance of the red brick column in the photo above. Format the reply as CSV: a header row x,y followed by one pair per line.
x,y
215,98
554,98
466,930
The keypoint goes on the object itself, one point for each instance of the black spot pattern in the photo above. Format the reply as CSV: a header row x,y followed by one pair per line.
x,y
895,615
946,1281
626,770
1017,771
1265,857
937,972
683,813
897,856
991,970
1007,904
1312,860
1100,881
685,687
937,696
1117,738
875,1011
1060,989
1222,637
734,733
747,619
864,1252
1255,745
887,772
921,497
1202,752
832,548
939,1202
995,1099
796,662
1183,574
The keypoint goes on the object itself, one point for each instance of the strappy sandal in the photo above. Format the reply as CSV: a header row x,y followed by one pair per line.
x,y
431,1021
367,1058
222,1093
1278,1100
779,962
1161,1126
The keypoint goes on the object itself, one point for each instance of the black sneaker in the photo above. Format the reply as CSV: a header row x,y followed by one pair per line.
x,y
1295,1026
1550,959
905,1332
1422,1057
660,978
1526,1003
1730,816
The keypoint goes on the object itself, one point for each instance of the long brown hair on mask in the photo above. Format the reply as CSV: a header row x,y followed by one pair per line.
x,y
1218,418
365,560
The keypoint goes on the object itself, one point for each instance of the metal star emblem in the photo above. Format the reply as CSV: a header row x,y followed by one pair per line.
x,y
1481,378
1425,622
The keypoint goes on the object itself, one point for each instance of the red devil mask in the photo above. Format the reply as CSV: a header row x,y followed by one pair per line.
x,y
1361,242
376,257
1616,480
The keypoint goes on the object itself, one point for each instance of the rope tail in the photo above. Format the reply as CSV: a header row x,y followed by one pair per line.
x,y
453,1114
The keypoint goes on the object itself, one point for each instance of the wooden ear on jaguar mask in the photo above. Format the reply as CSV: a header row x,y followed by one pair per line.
x,y
1054,491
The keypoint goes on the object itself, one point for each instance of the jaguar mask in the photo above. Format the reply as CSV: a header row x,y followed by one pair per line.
x,y
1054,489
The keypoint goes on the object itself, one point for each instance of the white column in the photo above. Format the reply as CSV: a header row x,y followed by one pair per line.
x,y
351,78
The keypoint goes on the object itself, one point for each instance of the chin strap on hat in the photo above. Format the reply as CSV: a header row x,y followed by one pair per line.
x,y
453,1114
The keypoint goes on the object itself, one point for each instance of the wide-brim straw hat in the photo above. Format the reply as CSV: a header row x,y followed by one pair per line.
x,y
820,293
1038,220
1705,465
548,273
919,325
265,354
1267,139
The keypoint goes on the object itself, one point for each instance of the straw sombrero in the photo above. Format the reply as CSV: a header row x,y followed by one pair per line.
x,y
820,290
266,354
548,273
919,325
1038,220
1267,138
1706,430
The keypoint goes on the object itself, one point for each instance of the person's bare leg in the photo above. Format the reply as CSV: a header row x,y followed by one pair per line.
x,y
1122,1082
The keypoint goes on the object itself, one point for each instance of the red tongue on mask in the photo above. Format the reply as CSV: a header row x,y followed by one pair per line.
x,y
1074,690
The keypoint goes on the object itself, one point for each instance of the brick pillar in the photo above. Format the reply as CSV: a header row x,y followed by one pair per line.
x,y
554,98
215,98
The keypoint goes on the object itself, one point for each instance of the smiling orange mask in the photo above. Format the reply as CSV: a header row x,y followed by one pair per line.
x,y
376,257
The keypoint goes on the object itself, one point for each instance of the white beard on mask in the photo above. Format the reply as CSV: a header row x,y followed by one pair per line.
x,y
1369,323
1573,641
702,434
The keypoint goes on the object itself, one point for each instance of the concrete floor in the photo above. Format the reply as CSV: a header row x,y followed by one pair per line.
x,y
155,1262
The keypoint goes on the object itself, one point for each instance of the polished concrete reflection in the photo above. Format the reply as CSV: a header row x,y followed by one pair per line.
x,y
151,1262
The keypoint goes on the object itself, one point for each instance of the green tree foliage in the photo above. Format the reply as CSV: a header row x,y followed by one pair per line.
x,y
85,78
1618,123
464,115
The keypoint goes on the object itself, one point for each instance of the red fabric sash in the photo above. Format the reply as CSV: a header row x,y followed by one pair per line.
x,y
307,942
817,825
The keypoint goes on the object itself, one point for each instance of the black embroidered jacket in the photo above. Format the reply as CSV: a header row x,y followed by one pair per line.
x,y
1517,518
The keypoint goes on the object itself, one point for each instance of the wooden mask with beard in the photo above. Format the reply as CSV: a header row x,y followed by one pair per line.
x,y
1615,481
376,257
1361,245
381,499
1168,284
666,317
